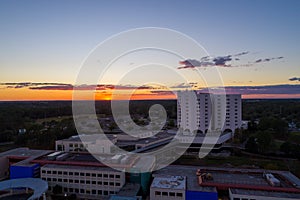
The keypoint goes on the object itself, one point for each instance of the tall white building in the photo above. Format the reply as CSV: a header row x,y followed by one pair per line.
x,y
199,112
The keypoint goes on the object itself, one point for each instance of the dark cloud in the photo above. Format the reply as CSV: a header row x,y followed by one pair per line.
x,y
267,59
258,61
162,92
30,85
222,61
204,62
190,64
241,54
64,86
54,87
294,79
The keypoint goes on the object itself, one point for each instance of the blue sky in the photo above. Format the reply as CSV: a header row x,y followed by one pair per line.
x,y
46,41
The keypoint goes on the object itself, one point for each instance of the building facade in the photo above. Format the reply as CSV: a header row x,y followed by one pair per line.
x,y
200,112
84,181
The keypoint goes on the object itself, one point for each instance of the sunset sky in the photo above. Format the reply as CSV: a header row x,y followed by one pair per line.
x,y
254,45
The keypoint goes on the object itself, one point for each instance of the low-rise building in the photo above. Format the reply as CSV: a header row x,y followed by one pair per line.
x,y
165,188
103,144
244,194
85,181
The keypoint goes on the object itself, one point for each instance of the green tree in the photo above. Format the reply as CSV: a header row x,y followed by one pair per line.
x,y
286,147
264,140
251,145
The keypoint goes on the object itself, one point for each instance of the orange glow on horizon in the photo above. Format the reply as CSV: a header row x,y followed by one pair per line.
x,y
25,94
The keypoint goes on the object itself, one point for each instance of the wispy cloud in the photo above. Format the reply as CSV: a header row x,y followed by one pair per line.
x,y
222,61
162,92
32,85
64,86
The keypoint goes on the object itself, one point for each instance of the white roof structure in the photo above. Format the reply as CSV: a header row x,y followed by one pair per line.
x,y
172,182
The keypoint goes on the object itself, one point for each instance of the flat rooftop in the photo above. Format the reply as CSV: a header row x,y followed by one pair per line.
x,y
187,171
237,178
24,152
130,140
159,136
72,167
129,190
144,163
89,137
265,193
89,159
231,177
171,182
